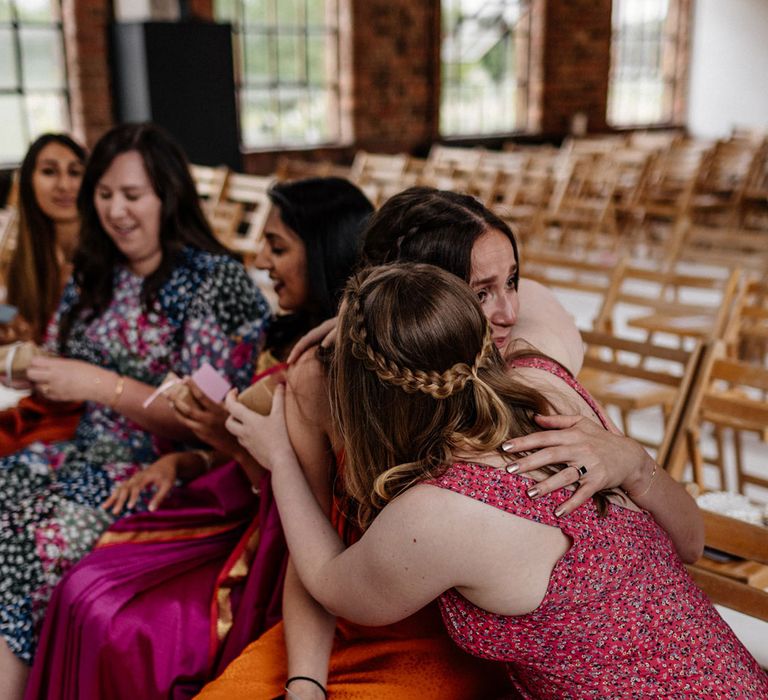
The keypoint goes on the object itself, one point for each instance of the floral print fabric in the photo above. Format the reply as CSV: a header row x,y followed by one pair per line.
x,y
208,310
621,617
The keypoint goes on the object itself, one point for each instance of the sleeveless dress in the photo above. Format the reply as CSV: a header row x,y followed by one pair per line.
x,y
621,617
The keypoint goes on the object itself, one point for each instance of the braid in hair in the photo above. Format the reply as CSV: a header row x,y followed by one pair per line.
x,y
438,385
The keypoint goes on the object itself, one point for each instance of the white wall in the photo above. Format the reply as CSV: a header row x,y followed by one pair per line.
x,y
729,66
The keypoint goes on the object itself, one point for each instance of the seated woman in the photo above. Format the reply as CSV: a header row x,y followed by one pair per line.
x,y
48,229
200,577
152,291
595,604
459,234
49,225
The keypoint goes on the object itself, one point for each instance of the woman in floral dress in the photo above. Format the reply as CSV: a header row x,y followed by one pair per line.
x,y
152,292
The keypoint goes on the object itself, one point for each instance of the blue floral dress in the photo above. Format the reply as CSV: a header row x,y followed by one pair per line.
x,y
50,494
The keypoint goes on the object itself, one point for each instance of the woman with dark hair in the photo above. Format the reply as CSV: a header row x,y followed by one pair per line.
x,y
456,233
595,605
152,292
48,230
143,599
49,180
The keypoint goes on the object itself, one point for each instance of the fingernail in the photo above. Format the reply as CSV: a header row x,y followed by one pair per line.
x,y
532,493
509,447
512,468
559,511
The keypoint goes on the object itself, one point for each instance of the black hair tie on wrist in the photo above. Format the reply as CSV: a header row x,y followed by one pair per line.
x,y
307,678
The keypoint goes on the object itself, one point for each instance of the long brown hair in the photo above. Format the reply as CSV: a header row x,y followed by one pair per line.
x,y
415,377
34,274
182,222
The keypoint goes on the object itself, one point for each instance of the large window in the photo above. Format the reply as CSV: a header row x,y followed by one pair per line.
x,y
484,66
645,62
33,92
287,54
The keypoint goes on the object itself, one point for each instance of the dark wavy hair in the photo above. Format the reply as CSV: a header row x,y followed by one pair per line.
x,y
437,227
34,273
329,214
182,222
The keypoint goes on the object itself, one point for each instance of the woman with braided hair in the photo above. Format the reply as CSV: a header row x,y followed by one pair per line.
x,y
597,604
458,234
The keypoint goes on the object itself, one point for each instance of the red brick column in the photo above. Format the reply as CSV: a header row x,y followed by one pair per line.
x,y
395,59
85,36
577,59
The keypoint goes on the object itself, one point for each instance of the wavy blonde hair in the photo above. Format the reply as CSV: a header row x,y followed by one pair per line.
x,y
415,377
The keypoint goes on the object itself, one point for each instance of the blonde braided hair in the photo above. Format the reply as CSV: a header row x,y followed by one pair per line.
x,y
438,385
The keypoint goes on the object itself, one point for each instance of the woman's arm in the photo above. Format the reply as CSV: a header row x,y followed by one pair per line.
x,y
308,627
612,460
64,379
393,571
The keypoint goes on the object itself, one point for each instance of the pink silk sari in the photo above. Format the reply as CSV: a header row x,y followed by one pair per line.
x,y
167,599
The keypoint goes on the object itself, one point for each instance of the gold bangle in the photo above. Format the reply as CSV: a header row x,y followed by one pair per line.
x,y
119,387
207,458
650,483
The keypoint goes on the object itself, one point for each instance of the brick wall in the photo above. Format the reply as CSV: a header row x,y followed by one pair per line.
x,y
392,79
85,36
576,61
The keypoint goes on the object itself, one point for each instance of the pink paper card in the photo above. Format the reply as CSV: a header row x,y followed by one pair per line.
x,y
212,384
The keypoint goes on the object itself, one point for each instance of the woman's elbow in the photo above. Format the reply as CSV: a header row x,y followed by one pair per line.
x,y
692,549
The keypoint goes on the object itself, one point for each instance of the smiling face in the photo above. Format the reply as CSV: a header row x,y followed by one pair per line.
x,y
492,278
284,256
56,181
130,210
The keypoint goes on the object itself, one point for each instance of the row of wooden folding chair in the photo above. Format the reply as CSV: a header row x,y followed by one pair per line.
x,y
718,246
728,401
633,375
236,205
647,306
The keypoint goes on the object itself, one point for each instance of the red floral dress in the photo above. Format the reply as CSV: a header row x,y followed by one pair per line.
x,y
621,618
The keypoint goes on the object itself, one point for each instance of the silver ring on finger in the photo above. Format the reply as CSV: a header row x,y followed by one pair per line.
x,y
582,470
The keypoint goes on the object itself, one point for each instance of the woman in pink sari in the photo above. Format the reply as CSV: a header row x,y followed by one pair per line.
x,y
171,595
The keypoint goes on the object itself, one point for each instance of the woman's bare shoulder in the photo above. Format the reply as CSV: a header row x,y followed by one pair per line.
x,y
545,324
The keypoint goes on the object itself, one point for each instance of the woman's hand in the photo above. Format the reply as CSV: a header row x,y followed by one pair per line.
x,y
14,331
162,475
63,379
323,334
265,437
597,459
206,420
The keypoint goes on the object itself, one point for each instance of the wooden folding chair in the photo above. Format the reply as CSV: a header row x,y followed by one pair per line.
x,y
719,246
210,182
581,214
578,282
8,233
683,306
655,141
633,376
250,193
722,183
289,168
664,199
728,396
372,167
